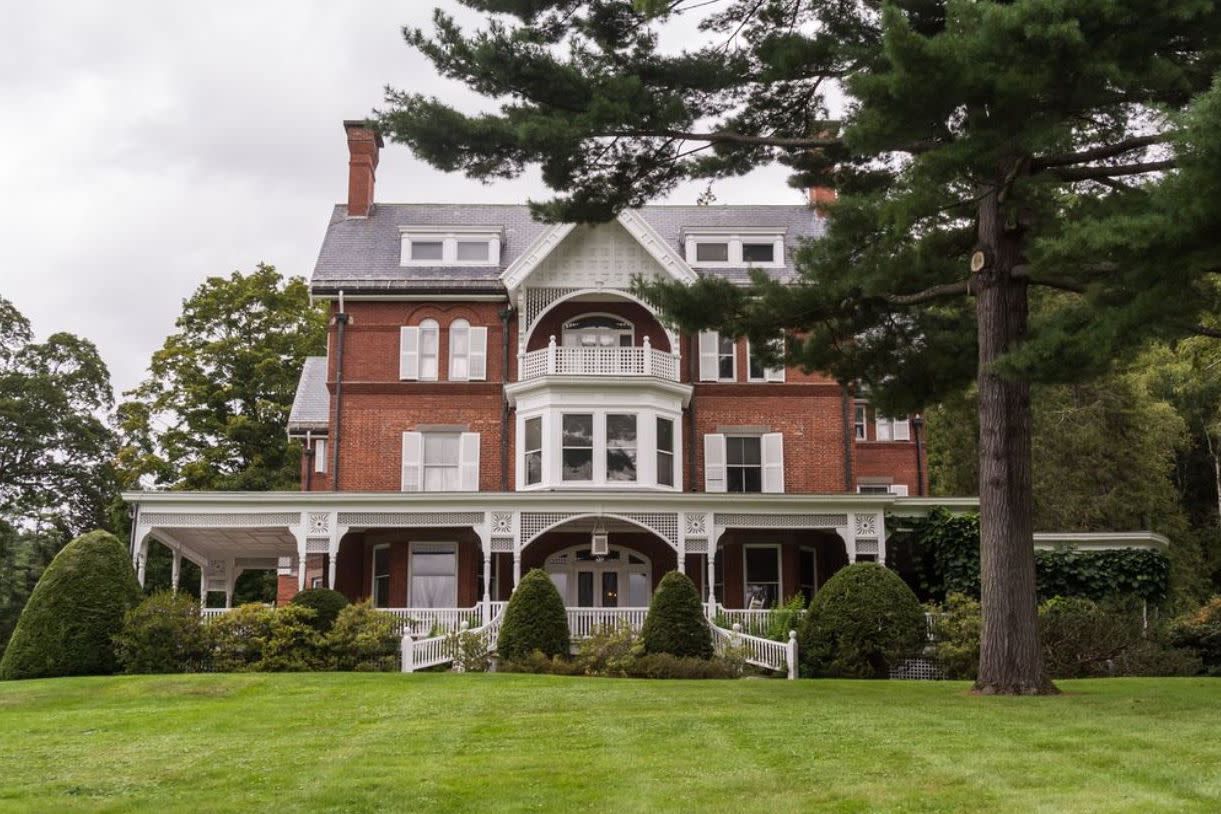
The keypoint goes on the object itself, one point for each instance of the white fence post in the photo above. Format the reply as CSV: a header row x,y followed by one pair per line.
x,y
408,653
551,355
791,654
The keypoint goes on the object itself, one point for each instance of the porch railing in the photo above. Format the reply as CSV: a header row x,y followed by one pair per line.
x,y
755,622
756,650
432,651
582,622
554,360
427,621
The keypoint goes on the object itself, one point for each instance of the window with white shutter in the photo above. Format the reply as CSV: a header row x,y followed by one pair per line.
x,y
714,462
773,462
479,354
459,350
413,459
409,352
430,350
320,455
756,372
882,428
899,489
468,461
902,429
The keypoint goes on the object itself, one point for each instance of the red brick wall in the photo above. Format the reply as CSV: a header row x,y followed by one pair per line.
x,y
893,459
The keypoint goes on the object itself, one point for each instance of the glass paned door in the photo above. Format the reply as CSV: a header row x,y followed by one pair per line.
x,y
585,589
610,589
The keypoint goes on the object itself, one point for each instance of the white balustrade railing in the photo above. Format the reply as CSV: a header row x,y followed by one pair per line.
x,y
583,622
418,654
766,653
555,360
426,621
212,613
756,621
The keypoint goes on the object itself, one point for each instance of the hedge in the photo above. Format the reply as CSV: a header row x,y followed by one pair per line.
x,y
939,555
534,620
163,634
325,603
861,623
74,612
675,623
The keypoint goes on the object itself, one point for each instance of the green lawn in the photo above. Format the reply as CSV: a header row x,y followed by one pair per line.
x,y
511,742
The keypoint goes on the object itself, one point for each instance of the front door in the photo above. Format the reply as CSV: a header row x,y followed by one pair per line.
x,y
586,581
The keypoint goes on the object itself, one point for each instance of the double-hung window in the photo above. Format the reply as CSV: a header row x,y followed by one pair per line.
x,y
761,573
381,576
534,451
430,344
620,447
665,452
717,357
893,429
858,421
440,462
757,372
577,447
434,575
468,351
743,464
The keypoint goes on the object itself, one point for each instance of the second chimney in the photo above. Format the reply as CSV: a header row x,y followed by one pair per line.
x,y
364,147
821,198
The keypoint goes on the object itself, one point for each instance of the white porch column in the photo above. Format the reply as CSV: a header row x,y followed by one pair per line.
x,y
175,570
681,553
847,534
203,586
300,533
516,565
230,581
484,531
141,559
882,538
711,557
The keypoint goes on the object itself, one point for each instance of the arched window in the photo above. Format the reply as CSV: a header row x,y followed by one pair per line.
x,y
459,350
429,349
598,331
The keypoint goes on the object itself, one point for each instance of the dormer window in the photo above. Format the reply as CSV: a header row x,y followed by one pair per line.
x,y
450,245
735,248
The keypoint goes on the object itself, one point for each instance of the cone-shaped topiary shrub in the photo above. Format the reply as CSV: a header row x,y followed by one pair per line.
x,y
534,620
163,634
675,623
326,604
75,611
861,623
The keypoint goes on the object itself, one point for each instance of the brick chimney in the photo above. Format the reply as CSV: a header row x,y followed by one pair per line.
x,y
821,198
364,146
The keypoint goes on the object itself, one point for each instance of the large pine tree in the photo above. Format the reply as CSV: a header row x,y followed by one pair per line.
x,y
1026,189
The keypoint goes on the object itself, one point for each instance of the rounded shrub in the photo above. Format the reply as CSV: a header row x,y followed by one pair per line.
x,y
675,623
1200,632
74,612
861,623
364,639
163,634
325,603
535,620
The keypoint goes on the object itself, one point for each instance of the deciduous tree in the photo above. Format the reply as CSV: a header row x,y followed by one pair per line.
x,y
986,153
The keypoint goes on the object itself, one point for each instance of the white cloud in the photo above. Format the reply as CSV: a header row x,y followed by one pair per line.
x,y
144,148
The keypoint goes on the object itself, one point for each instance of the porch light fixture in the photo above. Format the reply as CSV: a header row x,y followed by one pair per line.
x,y
599,543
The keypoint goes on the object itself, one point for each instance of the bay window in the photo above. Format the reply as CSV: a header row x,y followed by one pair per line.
x,y
665,451
620,447
577,447
534,451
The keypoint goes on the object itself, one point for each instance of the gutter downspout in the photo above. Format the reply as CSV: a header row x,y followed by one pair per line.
x,y
341,321
505,316
918,424
309,460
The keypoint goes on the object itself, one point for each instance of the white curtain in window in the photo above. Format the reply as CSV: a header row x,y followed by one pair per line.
x,y
434,577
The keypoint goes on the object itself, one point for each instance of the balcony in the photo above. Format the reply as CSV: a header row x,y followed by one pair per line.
x,y
555,360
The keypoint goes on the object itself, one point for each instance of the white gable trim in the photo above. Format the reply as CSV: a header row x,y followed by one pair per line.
x,y
666,255
524,266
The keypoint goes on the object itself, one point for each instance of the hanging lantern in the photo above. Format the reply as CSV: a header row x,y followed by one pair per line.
x,y
599,543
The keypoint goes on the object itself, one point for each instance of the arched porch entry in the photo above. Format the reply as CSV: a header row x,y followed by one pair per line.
x,y
625,576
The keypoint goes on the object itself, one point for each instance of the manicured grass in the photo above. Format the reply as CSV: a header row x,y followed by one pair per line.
x,y
443,742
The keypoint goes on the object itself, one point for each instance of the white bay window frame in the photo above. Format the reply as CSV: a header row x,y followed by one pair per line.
x,y
734,238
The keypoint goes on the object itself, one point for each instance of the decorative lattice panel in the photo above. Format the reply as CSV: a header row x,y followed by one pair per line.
x,y
535,523
219,519
317,545
663,524
697,546
781,521
409,519
917,670
537,301
867,547
502,545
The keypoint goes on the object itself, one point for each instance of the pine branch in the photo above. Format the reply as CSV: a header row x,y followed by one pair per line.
x,y
931,293
729,137
1099,153
1095,173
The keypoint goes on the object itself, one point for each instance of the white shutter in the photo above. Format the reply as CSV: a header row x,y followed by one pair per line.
x,y
478,364
773,462
899,489
776,374
409,353
883,429
714,462
709,357
413,461
320,456
902,429
468,462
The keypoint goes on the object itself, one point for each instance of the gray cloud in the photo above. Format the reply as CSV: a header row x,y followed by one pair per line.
x,y
146,148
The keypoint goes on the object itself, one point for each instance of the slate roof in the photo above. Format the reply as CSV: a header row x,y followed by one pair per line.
x,y
312,404
363,254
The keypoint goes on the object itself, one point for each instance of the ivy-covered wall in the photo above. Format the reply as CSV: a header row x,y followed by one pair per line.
x,y
939,554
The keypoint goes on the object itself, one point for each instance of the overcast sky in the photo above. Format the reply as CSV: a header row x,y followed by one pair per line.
x,y
144,148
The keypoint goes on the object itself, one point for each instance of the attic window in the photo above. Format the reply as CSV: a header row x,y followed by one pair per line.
x,y
450,245
735,248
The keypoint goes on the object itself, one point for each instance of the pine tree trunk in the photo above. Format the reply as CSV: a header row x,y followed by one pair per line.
x,y
1010,659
